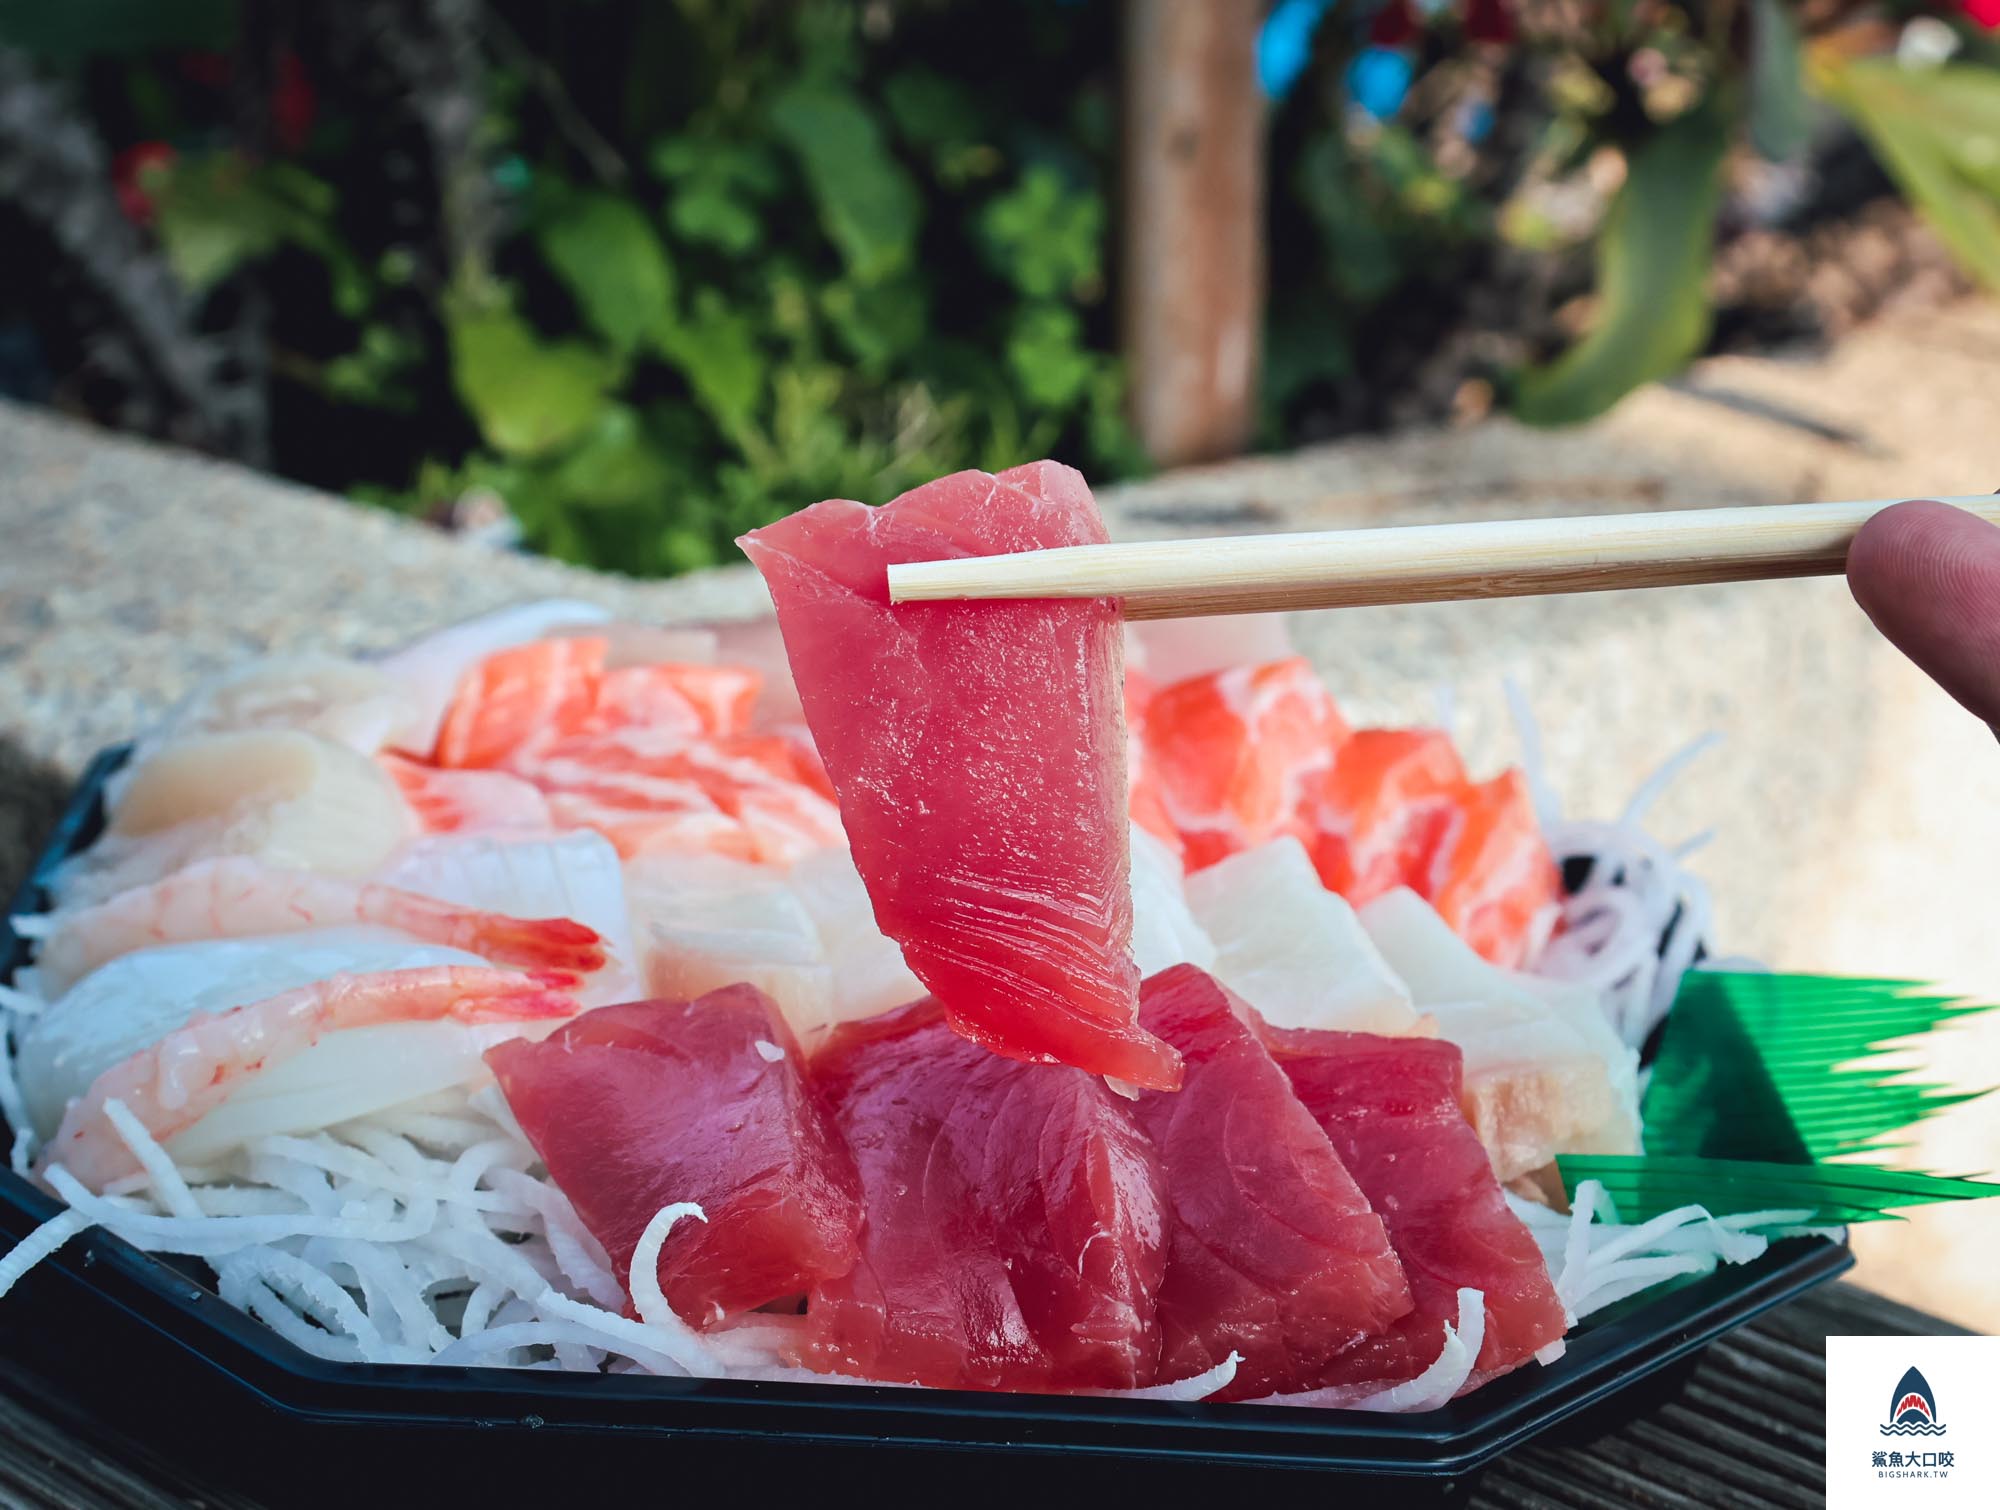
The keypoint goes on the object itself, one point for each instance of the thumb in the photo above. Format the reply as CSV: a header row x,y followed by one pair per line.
x,y
1929,576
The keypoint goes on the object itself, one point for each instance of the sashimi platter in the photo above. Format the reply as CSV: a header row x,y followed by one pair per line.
x,y
978,996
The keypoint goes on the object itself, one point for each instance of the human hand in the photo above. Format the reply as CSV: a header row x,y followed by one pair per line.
x,y
1929,576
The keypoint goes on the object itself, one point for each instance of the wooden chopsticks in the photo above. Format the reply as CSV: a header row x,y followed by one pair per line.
x,y
1425,563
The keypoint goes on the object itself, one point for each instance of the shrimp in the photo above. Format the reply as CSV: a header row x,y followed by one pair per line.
x,y
449,802
237,898
139,997
174,1083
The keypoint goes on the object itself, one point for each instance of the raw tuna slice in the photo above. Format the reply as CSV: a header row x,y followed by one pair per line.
x,y
978,753
1391,1108
1015,1218
1272,1250
635,1107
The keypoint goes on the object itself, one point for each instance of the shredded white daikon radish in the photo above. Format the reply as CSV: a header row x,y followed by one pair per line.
x,y
623,1335
21,1003
400,1238
648,1299
1595,1261
38,1245
1447,1374
1640,920
168,1187
12,1106
1196,1387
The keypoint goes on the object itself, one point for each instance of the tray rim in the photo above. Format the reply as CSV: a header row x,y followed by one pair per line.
x,y
1600,1362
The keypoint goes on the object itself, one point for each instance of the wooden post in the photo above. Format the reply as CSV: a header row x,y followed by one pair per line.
x,y
1193,261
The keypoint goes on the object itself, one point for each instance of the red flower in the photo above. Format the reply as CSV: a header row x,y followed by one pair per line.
x,y
1395,23
1490,20
1985,12
211,70
131,171
293,103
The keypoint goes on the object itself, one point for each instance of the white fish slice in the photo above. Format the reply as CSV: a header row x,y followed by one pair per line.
x,y
353,1073
1164,930
869,974
290,800
706,921
1544,1072
349,702
1294,950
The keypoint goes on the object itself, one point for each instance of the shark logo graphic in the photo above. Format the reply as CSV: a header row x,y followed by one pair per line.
x,y
1913,1409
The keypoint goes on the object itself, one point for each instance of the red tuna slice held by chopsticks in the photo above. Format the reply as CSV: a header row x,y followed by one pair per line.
x,y
1273,1252
1391,1108
637,1107
1014,1235
979,756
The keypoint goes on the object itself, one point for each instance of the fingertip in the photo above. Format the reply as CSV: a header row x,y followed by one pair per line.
x,y
1888,550
1928,575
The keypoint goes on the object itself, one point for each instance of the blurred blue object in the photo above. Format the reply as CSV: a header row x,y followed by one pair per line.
x,y
24,366
1378,79
1284,46
512,175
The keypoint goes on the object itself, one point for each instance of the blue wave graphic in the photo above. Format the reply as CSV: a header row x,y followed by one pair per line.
x,y
1913,1429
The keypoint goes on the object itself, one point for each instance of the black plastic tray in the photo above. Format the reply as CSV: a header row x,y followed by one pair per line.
x,y
153,1347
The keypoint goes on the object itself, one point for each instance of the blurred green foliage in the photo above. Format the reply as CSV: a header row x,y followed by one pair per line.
x,y
746,257
1451,162
759,316
653,272
1939,133
1653,254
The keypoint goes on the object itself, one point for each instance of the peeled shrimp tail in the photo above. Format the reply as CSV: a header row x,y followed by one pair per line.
x,y
532,943
174,1083
239,898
